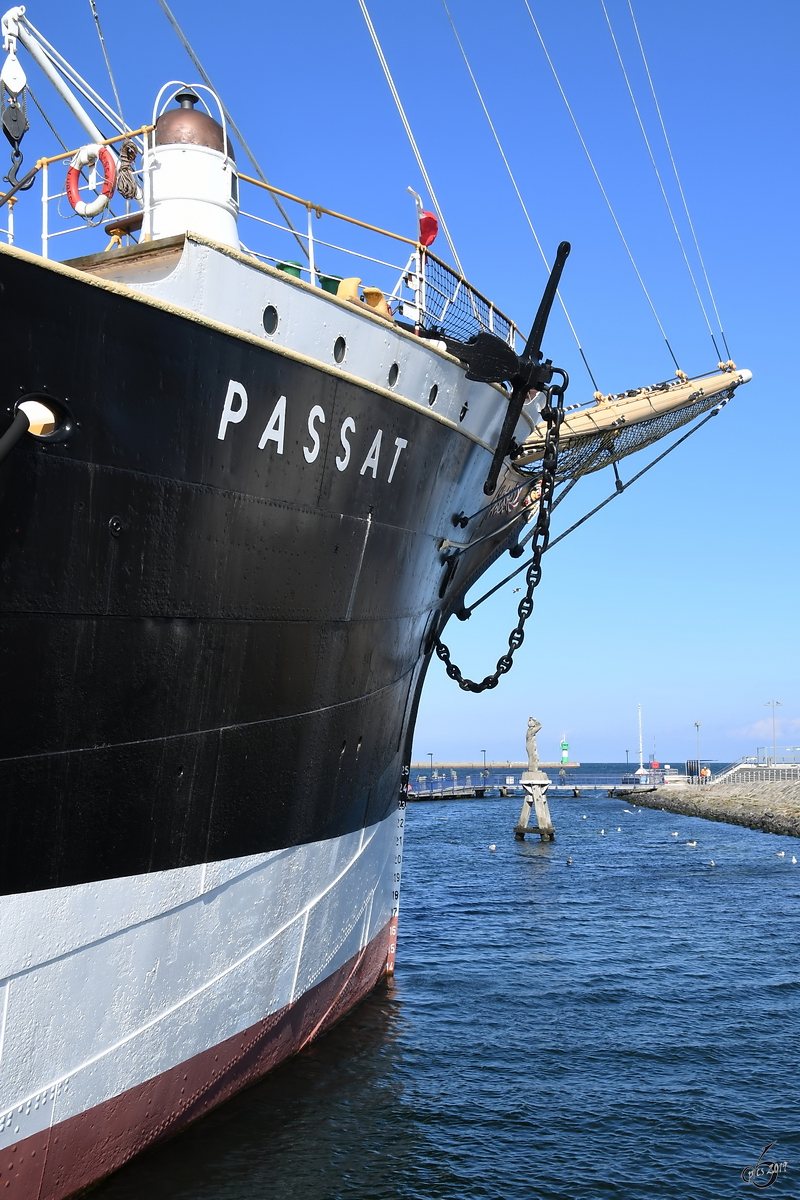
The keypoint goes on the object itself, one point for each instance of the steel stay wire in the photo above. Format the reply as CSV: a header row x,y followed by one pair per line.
x,y
678,178
658,177
406,125
465,613
515,185
600,185
229,119
96,16
53,129
71,75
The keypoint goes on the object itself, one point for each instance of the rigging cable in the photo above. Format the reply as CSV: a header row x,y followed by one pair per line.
x,y
507,165
207,81
77,81
658,177
600,185
96,16
53,130
677,178
407,127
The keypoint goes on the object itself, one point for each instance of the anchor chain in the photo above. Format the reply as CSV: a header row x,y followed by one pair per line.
x,y
553,414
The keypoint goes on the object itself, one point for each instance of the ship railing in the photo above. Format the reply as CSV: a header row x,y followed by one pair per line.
x,y
423,288
8,230
416,284
86,185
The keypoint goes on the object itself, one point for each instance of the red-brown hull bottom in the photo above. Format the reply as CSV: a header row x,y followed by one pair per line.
x,y
58,1162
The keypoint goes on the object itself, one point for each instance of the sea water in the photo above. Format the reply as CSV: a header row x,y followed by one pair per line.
x,y
626,1025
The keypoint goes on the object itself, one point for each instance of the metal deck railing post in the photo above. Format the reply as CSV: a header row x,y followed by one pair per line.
x,y
311,265
45,173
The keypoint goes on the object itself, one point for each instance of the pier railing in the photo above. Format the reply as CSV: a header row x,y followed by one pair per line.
x,y
460,784
751,771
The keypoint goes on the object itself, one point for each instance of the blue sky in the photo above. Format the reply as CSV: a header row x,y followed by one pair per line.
x,y
682,594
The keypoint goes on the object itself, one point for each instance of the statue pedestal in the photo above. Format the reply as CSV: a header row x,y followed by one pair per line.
x,y
535,785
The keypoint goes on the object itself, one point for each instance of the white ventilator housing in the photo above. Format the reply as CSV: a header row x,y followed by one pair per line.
x,y
190,185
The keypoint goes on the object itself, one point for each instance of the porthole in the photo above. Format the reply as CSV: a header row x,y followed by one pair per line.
x,y
339,349
49,419
270,319
433,393
394,372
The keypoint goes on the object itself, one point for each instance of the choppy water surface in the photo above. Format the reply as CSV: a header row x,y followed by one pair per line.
x,y
628,1025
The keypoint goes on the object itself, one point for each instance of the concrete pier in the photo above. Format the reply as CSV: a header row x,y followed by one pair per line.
x,y
771,807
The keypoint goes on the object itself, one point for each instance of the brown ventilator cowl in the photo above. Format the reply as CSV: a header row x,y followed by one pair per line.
x,y
190,126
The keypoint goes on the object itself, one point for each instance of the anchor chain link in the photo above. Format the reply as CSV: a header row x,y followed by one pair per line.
x,y
553,414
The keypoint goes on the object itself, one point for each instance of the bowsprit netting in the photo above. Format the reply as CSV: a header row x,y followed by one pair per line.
x,y
592,452
457,309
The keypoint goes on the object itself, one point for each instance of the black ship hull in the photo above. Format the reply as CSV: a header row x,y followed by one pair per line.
x,y
218,598
210,647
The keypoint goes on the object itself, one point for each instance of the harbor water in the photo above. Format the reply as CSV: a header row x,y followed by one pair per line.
x,y
624,1025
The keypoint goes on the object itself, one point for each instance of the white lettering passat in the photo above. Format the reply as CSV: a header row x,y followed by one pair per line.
x,y
400,444
348,425
231,415
316,414
275,427
371,461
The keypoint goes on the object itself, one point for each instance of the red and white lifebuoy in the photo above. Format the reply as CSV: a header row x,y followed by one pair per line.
x,y
84,158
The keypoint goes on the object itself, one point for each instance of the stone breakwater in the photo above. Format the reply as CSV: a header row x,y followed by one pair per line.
x,y
771,807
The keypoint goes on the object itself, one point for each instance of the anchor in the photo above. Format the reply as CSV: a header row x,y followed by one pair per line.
x,y
491,360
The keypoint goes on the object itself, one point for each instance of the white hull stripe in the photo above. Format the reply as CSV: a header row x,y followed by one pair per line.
x,y
112,983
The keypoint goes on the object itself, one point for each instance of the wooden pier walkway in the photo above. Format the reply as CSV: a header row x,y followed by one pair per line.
x,y
456,793
470,792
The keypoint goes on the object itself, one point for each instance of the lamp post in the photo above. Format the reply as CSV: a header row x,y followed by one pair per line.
x,y
773,704
627,760
483,752
697,731
430,756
